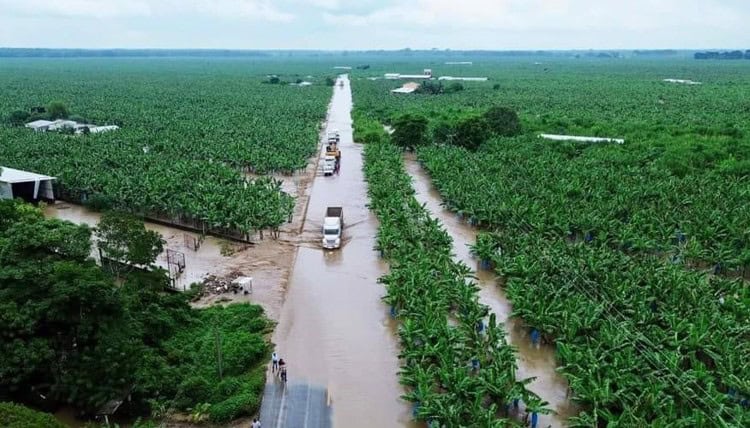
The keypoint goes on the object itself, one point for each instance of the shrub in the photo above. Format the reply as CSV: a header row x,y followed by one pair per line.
x,y
18,118
410,131
57,110
503,121
454,87
14,415
234,407
99,202
471,132
194,389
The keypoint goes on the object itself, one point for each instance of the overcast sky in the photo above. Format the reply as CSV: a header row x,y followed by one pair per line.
x,y
376,24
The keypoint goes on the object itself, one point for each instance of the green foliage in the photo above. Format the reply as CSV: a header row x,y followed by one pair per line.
x,y
16,416
204,125
368,130
70,334
431,87
471,132
503,121
125,238
57,110
409,131
603,248
454,87
425,289
330,81
99,202
244,404
18,118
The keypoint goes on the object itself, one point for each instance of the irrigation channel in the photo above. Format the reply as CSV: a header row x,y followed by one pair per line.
x,y
334,333
533,361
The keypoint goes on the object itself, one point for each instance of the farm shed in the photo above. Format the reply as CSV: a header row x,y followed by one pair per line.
x,y
39,125
106,128
28,186
396,76
581,139
465,79
683,81
408,88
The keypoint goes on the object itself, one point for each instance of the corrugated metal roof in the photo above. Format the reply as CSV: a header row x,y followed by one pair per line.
x,y
11,175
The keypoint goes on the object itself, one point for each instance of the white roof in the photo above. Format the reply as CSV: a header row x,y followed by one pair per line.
x,y
404,90
582,139
105,128
10,175
38,123
477,79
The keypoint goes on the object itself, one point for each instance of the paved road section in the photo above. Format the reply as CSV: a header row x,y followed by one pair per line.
x,y
295,406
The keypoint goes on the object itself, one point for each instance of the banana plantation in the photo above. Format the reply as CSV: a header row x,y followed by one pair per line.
x,y
632,260
191,131
457,365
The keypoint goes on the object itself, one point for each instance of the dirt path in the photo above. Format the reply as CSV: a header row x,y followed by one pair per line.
x,y
532,361
334,331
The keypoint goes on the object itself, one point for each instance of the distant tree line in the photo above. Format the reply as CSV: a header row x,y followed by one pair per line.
x,y
723,55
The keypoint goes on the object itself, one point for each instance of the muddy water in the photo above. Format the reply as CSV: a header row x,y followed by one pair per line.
x,y
334,330
532,361
197,263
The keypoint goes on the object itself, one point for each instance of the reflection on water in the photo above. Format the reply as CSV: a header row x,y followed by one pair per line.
x,y
533,361
334,330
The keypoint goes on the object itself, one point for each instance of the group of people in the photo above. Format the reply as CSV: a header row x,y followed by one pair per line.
x,y
278,366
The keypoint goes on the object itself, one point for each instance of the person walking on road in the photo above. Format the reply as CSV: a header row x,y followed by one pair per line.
x,y
283,374
281,365
255,424
274,362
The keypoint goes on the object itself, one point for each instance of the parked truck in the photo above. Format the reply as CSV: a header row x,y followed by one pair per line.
x,y
333,227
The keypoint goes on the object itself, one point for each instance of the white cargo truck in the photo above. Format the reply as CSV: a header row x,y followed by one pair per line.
x,y
333,227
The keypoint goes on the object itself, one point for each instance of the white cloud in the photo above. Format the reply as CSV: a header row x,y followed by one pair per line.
x,y
76,8
513,15
263,10
254,9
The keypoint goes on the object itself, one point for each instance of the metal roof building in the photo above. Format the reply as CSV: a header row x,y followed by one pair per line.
x,y
28,186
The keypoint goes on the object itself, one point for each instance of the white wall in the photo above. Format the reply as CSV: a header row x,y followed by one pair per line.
x,y
6,192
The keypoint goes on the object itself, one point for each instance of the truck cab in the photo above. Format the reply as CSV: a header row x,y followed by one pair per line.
x,y
333,226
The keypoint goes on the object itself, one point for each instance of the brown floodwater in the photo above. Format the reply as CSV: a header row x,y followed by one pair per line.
x,y
198,264
533,361
334,329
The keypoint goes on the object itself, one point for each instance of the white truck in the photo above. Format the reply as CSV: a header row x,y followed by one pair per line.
x,y
329,165
333,227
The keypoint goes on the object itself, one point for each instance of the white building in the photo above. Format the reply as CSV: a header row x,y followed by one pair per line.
x,y
106,128
581,139
682,81
396,76
465,79
39,125
28,186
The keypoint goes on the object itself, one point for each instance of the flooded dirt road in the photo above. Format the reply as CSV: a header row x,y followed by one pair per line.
x,y
532,361
334,330
267,262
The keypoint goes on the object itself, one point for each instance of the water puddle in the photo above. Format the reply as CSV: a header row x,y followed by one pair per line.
x,y
334,330
533,361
